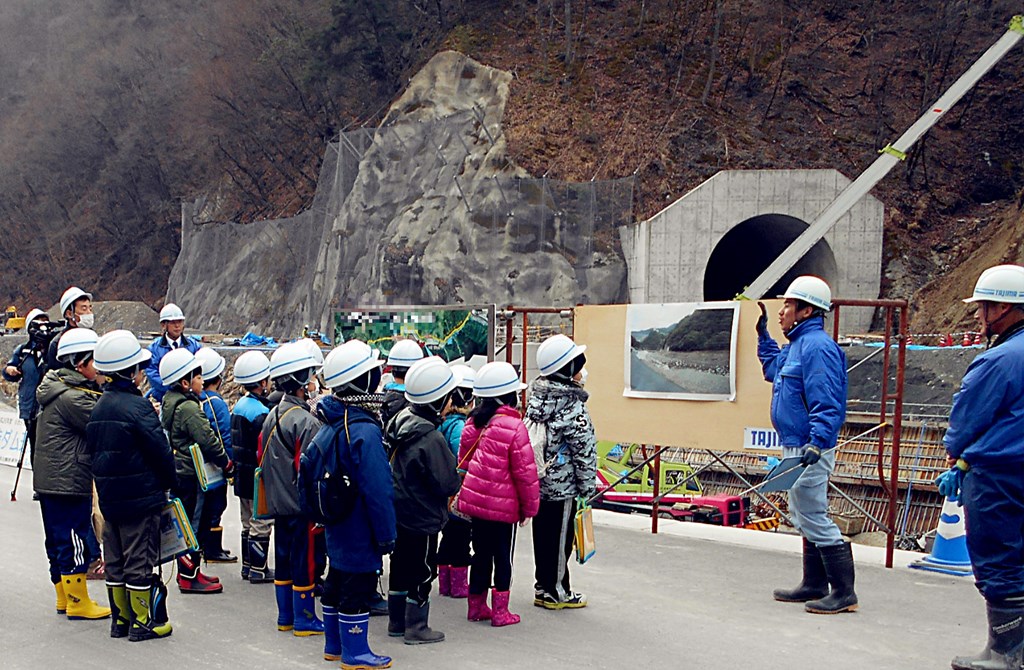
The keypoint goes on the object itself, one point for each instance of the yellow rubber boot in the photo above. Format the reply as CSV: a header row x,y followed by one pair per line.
x,y
62,600
143,626
80,605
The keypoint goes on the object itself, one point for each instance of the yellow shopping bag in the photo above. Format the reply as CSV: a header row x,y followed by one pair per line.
x,y
584,527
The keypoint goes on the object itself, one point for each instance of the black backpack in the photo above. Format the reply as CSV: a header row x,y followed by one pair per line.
x,y
327,494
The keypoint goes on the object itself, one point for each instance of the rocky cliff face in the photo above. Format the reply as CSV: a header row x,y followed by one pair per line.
x,y
426,209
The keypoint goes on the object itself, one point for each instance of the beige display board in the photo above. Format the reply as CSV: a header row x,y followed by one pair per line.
x,y
743,423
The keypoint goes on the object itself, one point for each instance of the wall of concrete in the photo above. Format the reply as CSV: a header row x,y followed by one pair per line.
x,y
719,237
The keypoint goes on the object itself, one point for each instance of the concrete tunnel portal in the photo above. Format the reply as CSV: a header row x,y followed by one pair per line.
x,y
748,248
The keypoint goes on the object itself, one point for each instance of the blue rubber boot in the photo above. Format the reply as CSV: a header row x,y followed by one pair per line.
x,y
304,605
355,649
332,634
285,614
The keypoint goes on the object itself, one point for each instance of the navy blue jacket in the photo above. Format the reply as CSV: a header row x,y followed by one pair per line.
x,y
356,544
159,348
986,424
132,462
246,424
32,368
809,382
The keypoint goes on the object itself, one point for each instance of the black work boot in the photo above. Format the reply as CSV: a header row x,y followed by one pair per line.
x,y
815,582
1005,639
213,547
246,561
416,629
838,560
396,613
259,550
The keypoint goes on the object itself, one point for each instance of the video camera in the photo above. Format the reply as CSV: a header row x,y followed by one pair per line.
x,y
45,330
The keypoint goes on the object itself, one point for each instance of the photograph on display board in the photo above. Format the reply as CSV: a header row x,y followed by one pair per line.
x,y
451,333
681,351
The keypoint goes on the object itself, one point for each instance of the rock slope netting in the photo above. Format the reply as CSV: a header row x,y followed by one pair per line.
x,y
427,209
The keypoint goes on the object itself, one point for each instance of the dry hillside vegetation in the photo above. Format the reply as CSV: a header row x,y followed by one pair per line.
x,y
114,110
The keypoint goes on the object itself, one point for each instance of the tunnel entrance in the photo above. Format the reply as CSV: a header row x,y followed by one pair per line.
x,y
750,247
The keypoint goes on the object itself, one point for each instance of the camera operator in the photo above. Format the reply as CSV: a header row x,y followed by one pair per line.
x,y
27,366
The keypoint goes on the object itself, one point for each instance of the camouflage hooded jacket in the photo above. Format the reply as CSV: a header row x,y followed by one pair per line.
x,y
572,446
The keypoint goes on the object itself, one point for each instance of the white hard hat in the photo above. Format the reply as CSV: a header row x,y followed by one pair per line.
x,y
176,364
467,374
429,379
119,350
812,290
212,363
404,353
499,378
554,352
171,312
76,341
348,361
252,367
314,349
35,314
291,358
70,296
1002,283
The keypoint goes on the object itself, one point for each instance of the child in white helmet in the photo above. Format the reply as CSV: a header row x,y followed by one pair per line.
x,y
557,400
424,479
133,467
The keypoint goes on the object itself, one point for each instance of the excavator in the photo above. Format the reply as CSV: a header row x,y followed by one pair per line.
x,y
13,322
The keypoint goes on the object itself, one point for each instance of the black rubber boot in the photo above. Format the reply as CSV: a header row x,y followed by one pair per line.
x,y
1005,639
246,561
396,613
815,582
838,560
213,547
416,629
259,573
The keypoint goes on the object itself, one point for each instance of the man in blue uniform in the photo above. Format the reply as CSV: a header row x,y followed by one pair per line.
x,y
172,323
985,448
809,382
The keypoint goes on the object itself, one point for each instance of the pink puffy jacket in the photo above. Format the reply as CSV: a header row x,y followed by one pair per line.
x,y
501,482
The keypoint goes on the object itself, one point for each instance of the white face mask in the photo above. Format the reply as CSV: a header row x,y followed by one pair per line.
x,y
87,320
583,377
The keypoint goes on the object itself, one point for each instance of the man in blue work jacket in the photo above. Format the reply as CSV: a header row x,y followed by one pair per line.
x,y
172,323
985,449
808,378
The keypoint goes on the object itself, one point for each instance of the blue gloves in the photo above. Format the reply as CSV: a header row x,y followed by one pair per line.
x,y
812,455
762,321
950,482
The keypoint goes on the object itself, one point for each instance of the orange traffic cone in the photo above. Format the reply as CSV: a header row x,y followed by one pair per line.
x,y
967,340
977,340
946,340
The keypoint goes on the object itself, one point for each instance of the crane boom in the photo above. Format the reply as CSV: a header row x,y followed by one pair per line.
x,y
890,156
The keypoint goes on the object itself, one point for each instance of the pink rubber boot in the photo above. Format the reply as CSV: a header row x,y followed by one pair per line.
x,y
444,580
460,582
500,615
478,609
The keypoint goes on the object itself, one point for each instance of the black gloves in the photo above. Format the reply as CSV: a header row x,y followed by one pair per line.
x,y
762,321
811,455
384,548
